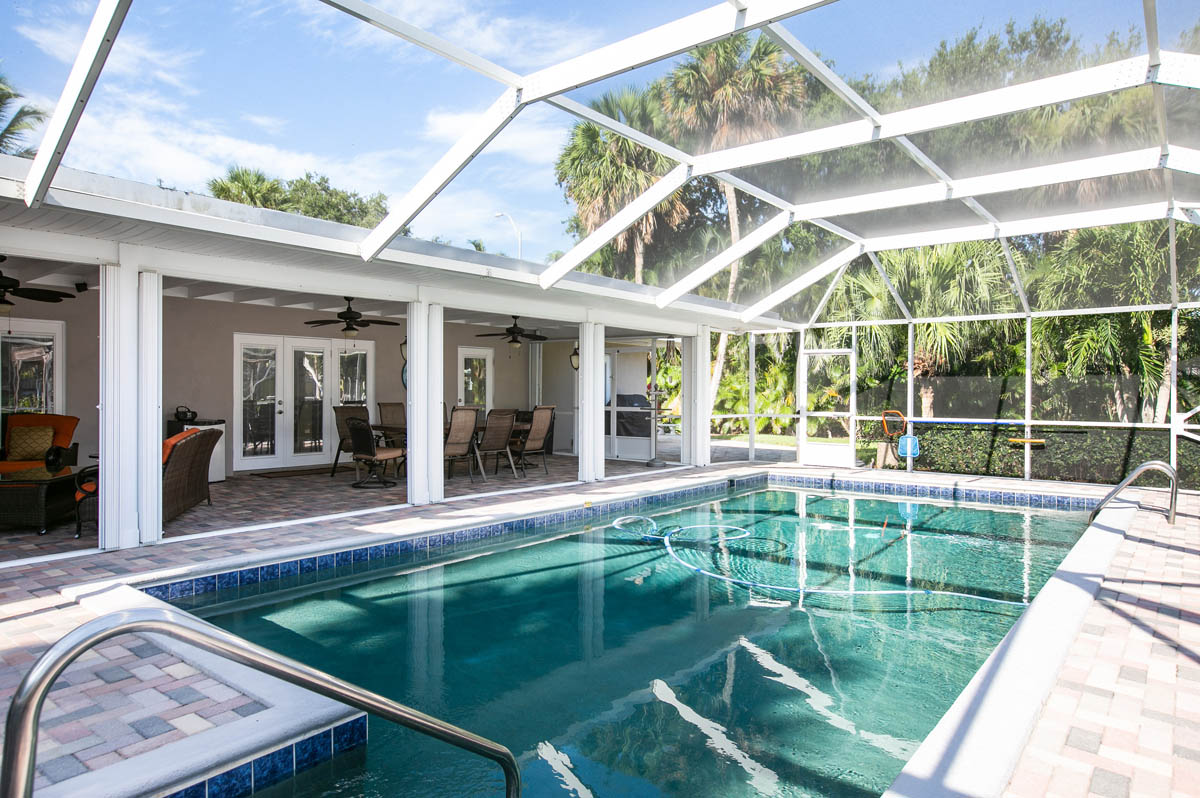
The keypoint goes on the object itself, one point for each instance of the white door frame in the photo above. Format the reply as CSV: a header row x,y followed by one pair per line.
x,y
285,444
285,401
58,331
489,354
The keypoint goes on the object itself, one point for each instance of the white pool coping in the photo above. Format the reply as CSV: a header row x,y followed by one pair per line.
x,y
975,747
292,713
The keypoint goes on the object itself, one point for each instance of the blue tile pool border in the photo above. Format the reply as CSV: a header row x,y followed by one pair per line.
x,y
272,767
1005,498
181,590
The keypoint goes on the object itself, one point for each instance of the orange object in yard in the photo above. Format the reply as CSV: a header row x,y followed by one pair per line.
x,y
894,414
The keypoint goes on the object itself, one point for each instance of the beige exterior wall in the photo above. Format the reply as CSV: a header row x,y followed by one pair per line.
x,y
198,355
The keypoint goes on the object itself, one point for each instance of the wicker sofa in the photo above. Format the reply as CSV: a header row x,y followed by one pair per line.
x,y
185,476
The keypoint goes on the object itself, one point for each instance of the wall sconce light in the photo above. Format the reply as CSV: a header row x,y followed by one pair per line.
x,y
575,358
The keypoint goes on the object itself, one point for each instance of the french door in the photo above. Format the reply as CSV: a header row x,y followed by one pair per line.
x,y
285,389
475,376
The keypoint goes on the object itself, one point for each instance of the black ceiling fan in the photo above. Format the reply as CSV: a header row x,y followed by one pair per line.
x,y
352,320
11,286
515,333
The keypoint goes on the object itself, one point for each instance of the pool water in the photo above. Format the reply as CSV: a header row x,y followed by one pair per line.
x,y
610,665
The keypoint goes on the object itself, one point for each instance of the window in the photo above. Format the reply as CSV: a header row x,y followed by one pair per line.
x,y
31,379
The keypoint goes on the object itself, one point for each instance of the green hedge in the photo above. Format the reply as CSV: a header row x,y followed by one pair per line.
x,y
1077,454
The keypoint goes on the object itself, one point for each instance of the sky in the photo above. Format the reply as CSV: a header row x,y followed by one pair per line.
x,y
291,86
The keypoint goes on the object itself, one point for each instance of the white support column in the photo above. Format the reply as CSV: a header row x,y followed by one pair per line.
x,y
752,377
1028,394
590,440
687,388
698,361
149,407
908,402
434,396
118,519
535,373
420,417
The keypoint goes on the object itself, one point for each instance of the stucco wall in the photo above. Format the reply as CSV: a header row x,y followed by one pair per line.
x,y
198,355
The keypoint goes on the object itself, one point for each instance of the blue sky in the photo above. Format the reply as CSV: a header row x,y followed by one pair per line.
x,y
290,85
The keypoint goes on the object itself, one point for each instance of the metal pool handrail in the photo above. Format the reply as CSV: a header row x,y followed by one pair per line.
x,y
1149,465
20,730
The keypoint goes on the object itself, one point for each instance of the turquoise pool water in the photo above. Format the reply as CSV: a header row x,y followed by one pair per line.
x,y
611,666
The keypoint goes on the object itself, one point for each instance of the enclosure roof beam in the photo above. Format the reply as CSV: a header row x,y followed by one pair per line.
x,y
1076,85
899,300
833,284
620,221
1183,159
89,61
1022,227
811,277
1014,273
722,260
665,41
434,44
482,131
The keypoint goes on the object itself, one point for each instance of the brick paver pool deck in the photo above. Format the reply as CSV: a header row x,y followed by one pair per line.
x,y
1123,719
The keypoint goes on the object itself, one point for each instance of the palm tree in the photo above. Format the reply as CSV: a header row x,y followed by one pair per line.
x,y
20,121
602,172
729,93
249,187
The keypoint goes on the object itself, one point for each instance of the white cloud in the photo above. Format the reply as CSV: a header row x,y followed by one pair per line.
x,y
268,124
535,136
133,56
519,42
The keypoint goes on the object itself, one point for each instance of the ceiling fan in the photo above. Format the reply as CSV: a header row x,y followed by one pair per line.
x,y
352,319
11,286
514,334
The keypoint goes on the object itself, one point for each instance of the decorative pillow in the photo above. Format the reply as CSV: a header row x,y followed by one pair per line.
x,y
29,443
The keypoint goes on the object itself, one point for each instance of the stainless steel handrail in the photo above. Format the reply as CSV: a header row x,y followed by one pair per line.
x,y
20,729
1149,465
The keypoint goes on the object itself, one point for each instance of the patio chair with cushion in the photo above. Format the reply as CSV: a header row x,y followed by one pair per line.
x,y
185,470
375,458
342,414
29,436
496,435
534,442
185,459
87,490
460,441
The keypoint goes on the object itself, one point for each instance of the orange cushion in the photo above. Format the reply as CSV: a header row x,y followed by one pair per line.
x,y
87,489
64,426
170,442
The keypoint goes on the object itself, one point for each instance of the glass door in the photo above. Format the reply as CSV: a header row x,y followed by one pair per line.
x,y
306,408
258,408
285,391
475,376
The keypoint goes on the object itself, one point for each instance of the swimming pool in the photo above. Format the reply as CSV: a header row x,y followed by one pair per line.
x,y
780,642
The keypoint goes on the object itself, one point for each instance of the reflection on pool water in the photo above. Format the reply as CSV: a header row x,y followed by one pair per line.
x,y
611,664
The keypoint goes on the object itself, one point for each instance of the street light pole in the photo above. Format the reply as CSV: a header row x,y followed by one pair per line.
x,y
516,230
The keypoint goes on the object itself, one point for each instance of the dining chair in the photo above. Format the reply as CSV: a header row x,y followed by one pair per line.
x,y
342,414
534,442
392,414
495,438
375,458
460,441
